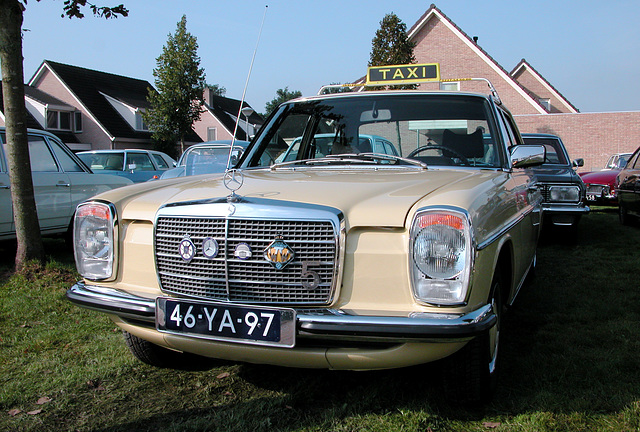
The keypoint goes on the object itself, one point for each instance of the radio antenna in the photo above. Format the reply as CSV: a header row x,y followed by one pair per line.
x,y
244,92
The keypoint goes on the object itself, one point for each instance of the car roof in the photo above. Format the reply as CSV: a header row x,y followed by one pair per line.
x,y
539,135
389,93
36,131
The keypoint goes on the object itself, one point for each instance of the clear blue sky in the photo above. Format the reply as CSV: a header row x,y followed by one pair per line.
x,y
589,50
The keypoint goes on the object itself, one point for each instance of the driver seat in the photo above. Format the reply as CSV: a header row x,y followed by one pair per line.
x,y
468,145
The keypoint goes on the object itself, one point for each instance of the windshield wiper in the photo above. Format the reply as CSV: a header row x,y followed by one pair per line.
x,y
362,158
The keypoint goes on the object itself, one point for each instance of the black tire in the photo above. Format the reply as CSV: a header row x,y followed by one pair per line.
x,y
158,356
470,375
623,215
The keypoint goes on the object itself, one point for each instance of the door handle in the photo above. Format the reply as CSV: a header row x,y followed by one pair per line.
x,y
63,185
4,187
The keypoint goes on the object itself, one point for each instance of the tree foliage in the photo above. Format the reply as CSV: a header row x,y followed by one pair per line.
x,y
217,89
282,95
391,45
27,227
180,82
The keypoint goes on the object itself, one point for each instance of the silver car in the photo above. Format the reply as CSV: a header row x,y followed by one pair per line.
x,y
209,157
137,165
60,182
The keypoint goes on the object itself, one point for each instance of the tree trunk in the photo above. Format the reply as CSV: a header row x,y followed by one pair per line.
x,y
24,206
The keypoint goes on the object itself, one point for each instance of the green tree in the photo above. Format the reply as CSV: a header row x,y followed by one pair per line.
x,y
282,95
180,83
25,214
391,46
217,90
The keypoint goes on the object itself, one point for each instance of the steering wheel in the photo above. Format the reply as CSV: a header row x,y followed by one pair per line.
x,y
444,149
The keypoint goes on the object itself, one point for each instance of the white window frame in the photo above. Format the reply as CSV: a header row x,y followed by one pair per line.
x,y
212,134
57,125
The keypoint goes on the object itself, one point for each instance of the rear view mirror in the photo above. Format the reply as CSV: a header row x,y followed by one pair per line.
x,y
375,115
523,156
577,162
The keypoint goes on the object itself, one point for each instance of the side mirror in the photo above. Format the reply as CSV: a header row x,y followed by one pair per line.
x,y
577,163
131,166
523,156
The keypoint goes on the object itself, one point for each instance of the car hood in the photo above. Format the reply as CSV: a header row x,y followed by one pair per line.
x,y
555,173
600,177
365,197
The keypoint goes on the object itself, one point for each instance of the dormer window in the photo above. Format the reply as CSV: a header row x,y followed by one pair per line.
x,y
140,123
58,120
77,122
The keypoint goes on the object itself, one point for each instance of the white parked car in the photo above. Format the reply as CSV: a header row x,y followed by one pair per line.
x,y
210,157
60,182
135,164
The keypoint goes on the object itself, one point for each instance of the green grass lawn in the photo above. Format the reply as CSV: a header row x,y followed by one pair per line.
x,y
571,349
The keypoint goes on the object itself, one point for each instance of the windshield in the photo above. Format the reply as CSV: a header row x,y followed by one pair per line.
x,y
434,129
208,160
103,161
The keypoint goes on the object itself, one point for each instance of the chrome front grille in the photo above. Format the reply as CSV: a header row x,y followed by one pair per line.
x,y
598,190
252,280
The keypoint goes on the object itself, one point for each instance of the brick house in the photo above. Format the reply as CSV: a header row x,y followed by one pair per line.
x,y
94,110
218,121
535,103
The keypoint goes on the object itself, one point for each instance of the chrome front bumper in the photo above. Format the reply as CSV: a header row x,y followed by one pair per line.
x,y
313,323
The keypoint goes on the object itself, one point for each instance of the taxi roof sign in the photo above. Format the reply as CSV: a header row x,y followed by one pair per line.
x,y
403,74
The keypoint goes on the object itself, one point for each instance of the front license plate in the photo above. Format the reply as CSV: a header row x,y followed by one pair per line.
x,y
258,325
591,197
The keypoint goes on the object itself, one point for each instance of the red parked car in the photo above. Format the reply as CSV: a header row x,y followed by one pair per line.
x,y
601,184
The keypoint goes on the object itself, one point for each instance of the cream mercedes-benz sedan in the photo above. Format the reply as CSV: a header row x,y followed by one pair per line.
x,y
340,258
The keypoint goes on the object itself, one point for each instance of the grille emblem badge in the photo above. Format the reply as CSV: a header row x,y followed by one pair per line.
x,y
210,248
243,251
186,249
279,254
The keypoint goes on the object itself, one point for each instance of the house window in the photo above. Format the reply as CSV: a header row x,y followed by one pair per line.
x,y
546,103
212,134
450,86
140,123
77,121
59,120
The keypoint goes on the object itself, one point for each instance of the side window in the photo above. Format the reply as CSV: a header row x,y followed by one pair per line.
x,y
40,156
162,164
636,160
139,162
511,130
67,162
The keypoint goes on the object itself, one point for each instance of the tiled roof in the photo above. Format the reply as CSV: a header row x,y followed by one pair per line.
x,y
87,85
44,98
31,121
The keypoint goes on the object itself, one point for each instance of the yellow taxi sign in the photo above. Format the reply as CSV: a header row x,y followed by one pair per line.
x,y
403,74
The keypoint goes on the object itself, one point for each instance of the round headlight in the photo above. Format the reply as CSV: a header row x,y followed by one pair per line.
x,y
439,251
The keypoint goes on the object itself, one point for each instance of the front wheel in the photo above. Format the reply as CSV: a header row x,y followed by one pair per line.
x,y
625,218
471,374
161,357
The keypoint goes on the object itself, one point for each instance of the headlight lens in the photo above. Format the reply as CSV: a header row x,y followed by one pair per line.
x,y
564,193
441,256
93,240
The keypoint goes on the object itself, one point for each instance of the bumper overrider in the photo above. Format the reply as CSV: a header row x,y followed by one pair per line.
x,y
325,323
